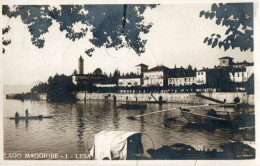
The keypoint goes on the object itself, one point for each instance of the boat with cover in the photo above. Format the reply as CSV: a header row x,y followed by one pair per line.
x,y
119,145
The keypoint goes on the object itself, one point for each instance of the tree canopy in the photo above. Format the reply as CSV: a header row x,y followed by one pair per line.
x,y
111,26
238,18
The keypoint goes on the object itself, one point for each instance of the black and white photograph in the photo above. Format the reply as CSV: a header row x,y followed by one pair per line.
x,y
123,81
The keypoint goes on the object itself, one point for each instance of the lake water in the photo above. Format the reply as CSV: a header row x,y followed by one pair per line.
x,y
72,129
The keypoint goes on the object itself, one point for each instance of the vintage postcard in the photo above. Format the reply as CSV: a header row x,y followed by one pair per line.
x,y
150,81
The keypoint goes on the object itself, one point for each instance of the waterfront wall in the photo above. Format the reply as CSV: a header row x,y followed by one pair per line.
x,y
190,98
230,97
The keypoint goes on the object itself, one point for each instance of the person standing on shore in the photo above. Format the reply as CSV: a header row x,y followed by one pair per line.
x,y
26,112
16,116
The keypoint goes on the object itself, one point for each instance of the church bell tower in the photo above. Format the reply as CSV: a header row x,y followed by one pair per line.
x,y
81,65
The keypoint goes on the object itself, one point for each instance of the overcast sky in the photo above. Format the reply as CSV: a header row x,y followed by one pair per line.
x,y
176,38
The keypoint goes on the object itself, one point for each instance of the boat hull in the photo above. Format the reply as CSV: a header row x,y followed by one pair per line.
x,y
203,119
30,117
133,106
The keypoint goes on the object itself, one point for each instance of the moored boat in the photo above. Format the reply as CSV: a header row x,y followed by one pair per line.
x,y
210,117
133,105
30,117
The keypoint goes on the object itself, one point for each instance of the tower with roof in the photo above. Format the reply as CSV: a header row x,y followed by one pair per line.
x,y
141,68
81,65
225,61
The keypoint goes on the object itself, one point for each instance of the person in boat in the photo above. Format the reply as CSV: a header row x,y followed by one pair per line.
x,y
16,115
26,113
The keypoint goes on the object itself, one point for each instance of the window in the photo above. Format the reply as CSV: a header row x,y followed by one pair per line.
x,y
198,73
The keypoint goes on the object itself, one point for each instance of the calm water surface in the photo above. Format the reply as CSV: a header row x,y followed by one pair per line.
x,y
72,129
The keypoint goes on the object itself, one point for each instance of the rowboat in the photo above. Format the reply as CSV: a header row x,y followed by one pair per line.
x,y
133,106
156,102
209,118
30,117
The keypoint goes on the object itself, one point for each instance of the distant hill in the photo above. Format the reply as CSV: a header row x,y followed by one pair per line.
x,y
9,89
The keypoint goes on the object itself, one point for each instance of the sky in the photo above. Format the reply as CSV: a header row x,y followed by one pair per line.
x,y
176,37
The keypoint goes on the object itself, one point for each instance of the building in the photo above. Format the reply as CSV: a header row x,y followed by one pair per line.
x,y
141,68
182,77
157,76
202,76
242,64
212,77
130,81
225,61
87,80
81,65
241,74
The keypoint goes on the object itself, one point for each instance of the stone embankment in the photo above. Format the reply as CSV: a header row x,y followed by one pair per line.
x,y
191,98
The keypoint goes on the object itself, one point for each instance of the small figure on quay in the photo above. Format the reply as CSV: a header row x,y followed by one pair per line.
x,y
26,112
16,115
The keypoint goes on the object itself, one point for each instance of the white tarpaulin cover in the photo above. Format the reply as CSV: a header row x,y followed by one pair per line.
x,y
110,145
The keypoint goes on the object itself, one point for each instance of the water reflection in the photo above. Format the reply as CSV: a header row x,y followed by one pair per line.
x,y
26,123
116,118
80,129
73,124
142,122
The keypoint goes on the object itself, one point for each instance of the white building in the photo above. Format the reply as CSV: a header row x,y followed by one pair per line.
x,y
157,76
133,79
181,81
241,74
129,82
201,77
182,77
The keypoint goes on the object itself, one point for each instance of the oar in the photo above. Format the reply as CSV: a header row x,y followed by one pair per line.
x,y
150,113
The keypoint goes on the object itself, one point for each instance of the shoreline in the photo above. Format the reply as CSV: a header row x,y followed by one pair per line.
x,y
181,98
185,98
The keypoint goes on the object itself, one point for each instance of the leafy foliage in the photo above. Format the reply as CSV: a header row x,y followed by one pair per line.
x,y
112,26
5,42
238,18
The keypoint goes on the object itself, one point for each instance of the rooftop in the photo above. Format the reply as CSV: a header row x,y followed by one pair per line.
x,y
207,69
130,76
141,64
226,57
238,70
159,68
181,72
244,63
